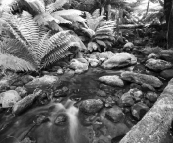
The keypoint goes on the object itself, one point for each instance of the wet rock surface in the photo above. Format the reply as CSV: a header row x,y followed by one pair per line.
x,y
139,110
115,114
80,65
112,80
141,79
119,60
158,65
167,74
91,106
9,98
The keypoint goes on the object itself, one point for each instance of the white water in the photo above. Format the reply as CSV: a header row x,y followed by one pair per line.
x,y
72,112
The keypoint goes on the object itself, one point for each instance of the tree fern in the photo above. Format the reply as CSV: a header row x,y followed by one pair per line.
x,y
35,46
100,32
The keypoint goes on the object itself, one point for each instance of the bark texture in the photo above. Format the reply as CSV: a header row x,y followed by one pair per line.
x,y
156,123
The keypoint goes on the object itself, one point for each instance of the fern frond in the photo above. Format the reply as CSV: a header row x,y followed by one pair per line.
x,y
37,6
96,14
16,48
56,5
12,23
93,46
8,61
69,12
29,29
58,44
61,19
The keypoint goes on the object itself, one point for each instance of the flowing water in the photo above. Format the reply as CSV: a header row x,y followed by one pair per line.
x,y
59,122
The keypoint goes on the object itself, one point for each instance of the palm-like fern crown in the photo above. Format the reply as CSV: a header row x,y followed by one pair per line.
x,y
33,47
47,12
101,32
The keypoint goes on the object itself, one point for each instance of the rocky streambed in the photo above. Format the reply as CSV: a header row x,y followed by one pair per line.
x,y
95,99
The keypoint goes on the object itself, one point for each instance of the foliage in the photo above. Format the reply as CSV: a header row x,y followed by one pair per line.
x,y
47,13
33,46
100,32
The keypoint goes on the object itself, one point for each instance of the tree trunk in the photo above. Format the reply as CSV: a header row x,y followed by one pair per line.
x,y
168,8
156,123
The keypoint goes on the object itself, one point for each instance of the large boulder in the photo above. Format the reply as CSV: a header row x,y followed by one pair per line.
x,y
141,79
112,80
9,98
80,65
158,65
91,106
119,60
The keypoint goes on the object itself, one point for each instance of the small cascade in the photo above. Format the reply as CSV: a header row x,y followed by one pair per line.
x,y
72,113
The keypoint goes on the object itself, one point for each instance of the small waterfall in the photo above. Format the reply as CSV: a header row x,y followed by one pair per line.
x,y
72,113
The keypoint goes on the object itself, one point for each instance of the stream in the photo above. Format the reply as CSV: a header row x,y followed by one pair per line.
x,y
59,121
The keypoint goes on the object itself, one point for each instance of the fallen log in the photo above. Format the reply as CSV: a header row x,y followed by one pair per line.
x,y
155,124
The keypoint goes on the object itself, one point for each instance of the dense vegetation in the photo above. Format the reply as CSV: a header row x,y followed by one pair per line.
x,y
48,22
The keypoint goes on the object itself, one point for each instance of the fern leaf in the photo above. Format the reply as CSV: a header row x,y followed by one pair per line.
x,y
89,32
16,48
93,46
101,43
45,18
56,5
60,19
37,6
29,30
58,45
8,61
96,13
68,12
12,24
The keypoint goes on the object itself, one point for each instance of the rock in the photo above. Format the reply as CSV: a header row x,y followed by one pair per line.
x,y
80,65
60,71
167,55
9,98
113,80
27,140
127,99
4,84
119,60
136,93
139,110
61,92
21,91
93,62
91,106
101,93
134,85
115,114
105,55
27,78
158,65
167,74
151,96
153,56
128,46
42,82
26,102
114,129
109,102
61,120
141,79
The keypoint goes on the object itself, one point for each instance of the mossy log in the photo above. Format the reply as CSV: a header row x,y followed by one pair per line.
x,y
155,124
